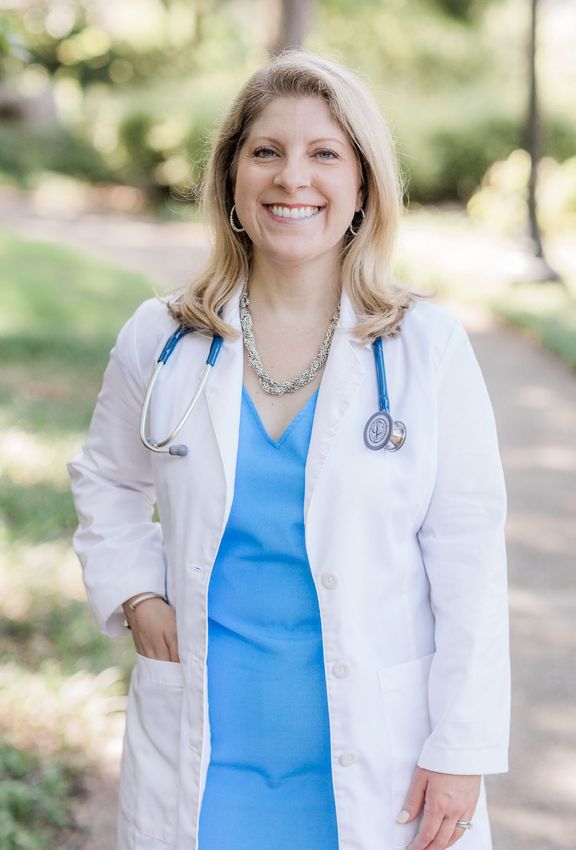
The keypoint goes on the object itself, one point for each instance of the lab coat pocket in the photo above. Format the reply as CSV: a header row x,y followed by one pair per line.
x,y
150,758
404,690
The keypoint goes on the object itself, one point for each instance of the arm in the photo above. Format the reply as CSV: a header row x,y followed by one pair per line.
x,y
463,547
119,547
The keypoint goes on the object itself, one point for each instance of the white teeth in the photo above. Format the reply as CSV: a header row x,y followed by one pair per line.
x,y
296,212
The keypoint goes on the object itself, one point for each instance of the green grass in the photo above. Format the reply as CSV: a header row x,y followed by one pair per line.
x,y
60,312
547,311
34,799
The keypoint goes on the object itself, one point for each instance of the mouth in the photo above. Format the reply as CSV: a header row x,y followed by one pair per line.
x,y
278,212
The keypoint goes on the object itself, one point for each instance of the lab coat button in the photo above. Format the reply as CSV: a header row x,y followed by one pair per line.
x,y
347,758
340,670
329,580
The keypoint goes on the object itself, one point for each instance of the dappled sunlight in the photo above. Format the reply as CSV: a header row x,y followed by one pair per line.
x,y
29,458
46,571
83,712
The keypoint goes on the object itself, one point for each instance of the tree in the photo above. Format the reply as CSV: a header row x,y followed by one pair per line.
x,y
294,22
532,143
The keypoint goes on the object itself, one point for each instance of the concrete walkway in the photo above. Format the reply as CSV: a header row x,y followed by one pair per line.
x,y
534,397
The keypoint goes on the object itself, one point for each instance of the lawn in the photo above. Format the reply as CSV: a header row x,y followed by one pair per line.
x,y
60,679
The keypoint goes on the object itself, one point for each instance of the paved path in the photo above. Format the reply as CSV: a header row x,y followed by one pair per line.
x,y
534,396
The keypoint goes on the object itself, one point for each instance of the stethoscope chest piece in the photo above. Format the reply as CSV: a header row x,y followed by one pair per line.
x,y
378,430
381,431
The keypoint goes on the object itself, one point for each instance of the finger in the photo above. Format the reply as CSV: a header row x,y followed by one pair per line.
x,y
429,827
171,641
444,834
459,830
415,798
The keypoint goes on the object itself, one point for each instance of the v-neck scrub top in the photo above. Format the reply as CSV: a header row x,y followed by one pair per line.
x,y
269,781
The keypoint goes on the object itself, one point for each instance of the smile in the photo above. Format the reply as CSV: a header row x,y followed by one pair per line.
x,y
281,213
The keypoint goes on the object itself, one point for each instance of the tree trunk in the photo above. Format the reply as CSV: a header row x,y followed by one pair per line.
x,y
293,24
532,141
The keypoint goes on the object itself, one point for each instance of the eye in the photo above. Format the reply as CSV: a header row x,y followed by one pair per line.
x,y
258,151
331,154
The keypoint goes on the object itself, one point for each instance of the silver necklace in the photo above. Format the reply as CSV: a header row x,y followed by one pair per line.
x,y
266,381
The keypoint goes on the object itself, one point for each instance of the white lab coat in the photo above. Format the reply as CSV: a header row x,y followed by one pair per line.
x,y
406,550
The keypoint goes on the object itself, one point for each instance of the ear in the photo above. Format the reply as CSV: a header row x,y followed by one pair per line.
x,y
360,199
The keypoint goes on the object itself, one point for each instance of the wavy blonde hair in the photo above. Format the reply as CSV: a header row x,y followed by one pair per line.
x,y
378,299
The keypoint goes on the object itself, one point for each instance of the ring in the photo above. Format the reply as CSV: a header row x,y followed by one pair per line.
x,y
464,824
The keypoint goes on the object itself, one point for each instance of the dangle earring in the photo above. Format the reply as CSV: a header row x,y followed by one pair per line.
x,y
350,228
232,225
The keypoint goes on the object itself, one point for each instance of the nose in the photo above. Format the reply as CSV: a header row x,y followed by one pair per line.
x,y
293,173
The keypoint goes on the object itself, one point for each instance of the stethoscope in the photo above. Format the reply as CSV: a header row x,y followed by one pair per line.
x,y
381,431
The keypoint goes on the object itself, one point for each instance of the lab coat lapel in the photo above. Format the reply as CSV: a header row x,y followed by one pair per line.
x,y
224,395
344,371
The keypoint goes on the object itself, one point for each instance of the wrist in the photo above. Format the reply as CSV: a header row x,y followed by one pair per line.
x,y
130,605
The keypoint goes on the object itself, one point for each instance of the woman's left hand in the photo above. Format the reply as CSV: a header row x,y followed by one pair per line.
x,y
446,798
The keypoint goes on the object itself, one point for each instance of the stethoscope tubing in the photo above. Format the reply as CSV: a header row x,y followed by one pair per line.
x,y
381,430
158,445
383,400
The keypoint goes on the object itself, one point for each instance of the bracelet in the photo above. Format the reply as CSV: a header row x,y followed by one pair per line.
x,y
142,597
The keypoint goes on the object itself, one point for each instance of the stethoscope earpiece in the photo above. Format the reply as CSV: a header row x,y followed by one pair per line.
x,y
180,450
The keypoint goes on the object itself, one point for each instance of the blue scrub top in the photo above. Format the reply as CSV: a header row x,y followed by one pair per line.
x,y
269,781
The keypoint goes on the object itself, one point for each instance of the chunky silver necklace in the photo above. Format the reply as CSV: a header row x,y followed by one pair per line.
x,y
265,380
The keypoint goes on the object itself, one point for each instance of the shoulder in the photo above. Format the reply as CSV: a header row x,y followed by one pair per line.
x,y
153,315
431,330
144,331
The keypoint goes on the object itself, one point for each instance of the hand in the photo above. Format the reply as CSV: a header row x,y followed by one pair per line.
x,y
153,626
446,797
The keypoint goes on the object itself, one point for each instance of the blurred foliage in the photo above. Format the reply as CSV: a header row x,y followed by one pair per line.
x,y
34,799
11,47
500,200
61,681
139,87
25,154
546,312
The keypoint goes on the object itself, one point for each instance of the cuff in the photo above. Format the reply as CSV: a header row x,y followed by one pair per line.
x,y
478,761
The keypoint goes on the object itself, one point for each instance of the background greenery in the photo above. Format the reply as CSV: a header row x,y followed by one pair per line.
x,y
139,87
59,677
136,89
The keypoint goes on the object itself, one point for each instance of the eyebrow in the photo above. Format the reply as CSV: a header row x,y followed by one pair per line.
x,y
312,142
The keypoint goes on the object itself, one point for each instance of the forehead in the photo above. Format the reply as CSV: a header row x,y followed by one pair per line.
x,y
297,117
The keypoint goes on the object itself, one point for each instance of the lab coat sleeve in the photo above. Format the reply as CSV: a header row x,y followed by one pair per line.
x,y
462,541
119,547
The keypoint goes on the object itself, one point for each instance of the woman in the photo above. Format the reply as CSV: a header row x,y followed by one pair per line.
x,y
321,626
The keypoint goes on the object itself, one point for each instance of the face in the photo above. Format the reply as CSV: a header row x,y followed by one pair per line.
x,y
298,181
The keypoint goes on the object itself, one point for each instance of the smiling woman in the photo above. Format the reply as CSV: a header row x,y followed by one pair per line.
x,y
297,181
320,626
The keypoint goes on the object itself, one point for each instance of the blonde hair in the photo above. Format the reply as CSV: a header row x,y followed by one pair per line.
x,y
378,299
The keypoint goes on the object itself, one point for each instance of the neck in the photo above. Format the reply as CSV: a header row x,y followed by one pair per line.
x,y
294,295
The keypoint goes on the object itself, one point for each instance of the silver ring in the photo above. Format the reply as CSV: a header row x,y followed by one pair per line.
x,y
464,824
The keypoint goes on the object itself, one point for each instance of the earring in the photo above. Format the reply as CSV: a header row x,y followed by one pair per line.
x,y
232,225
350,228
